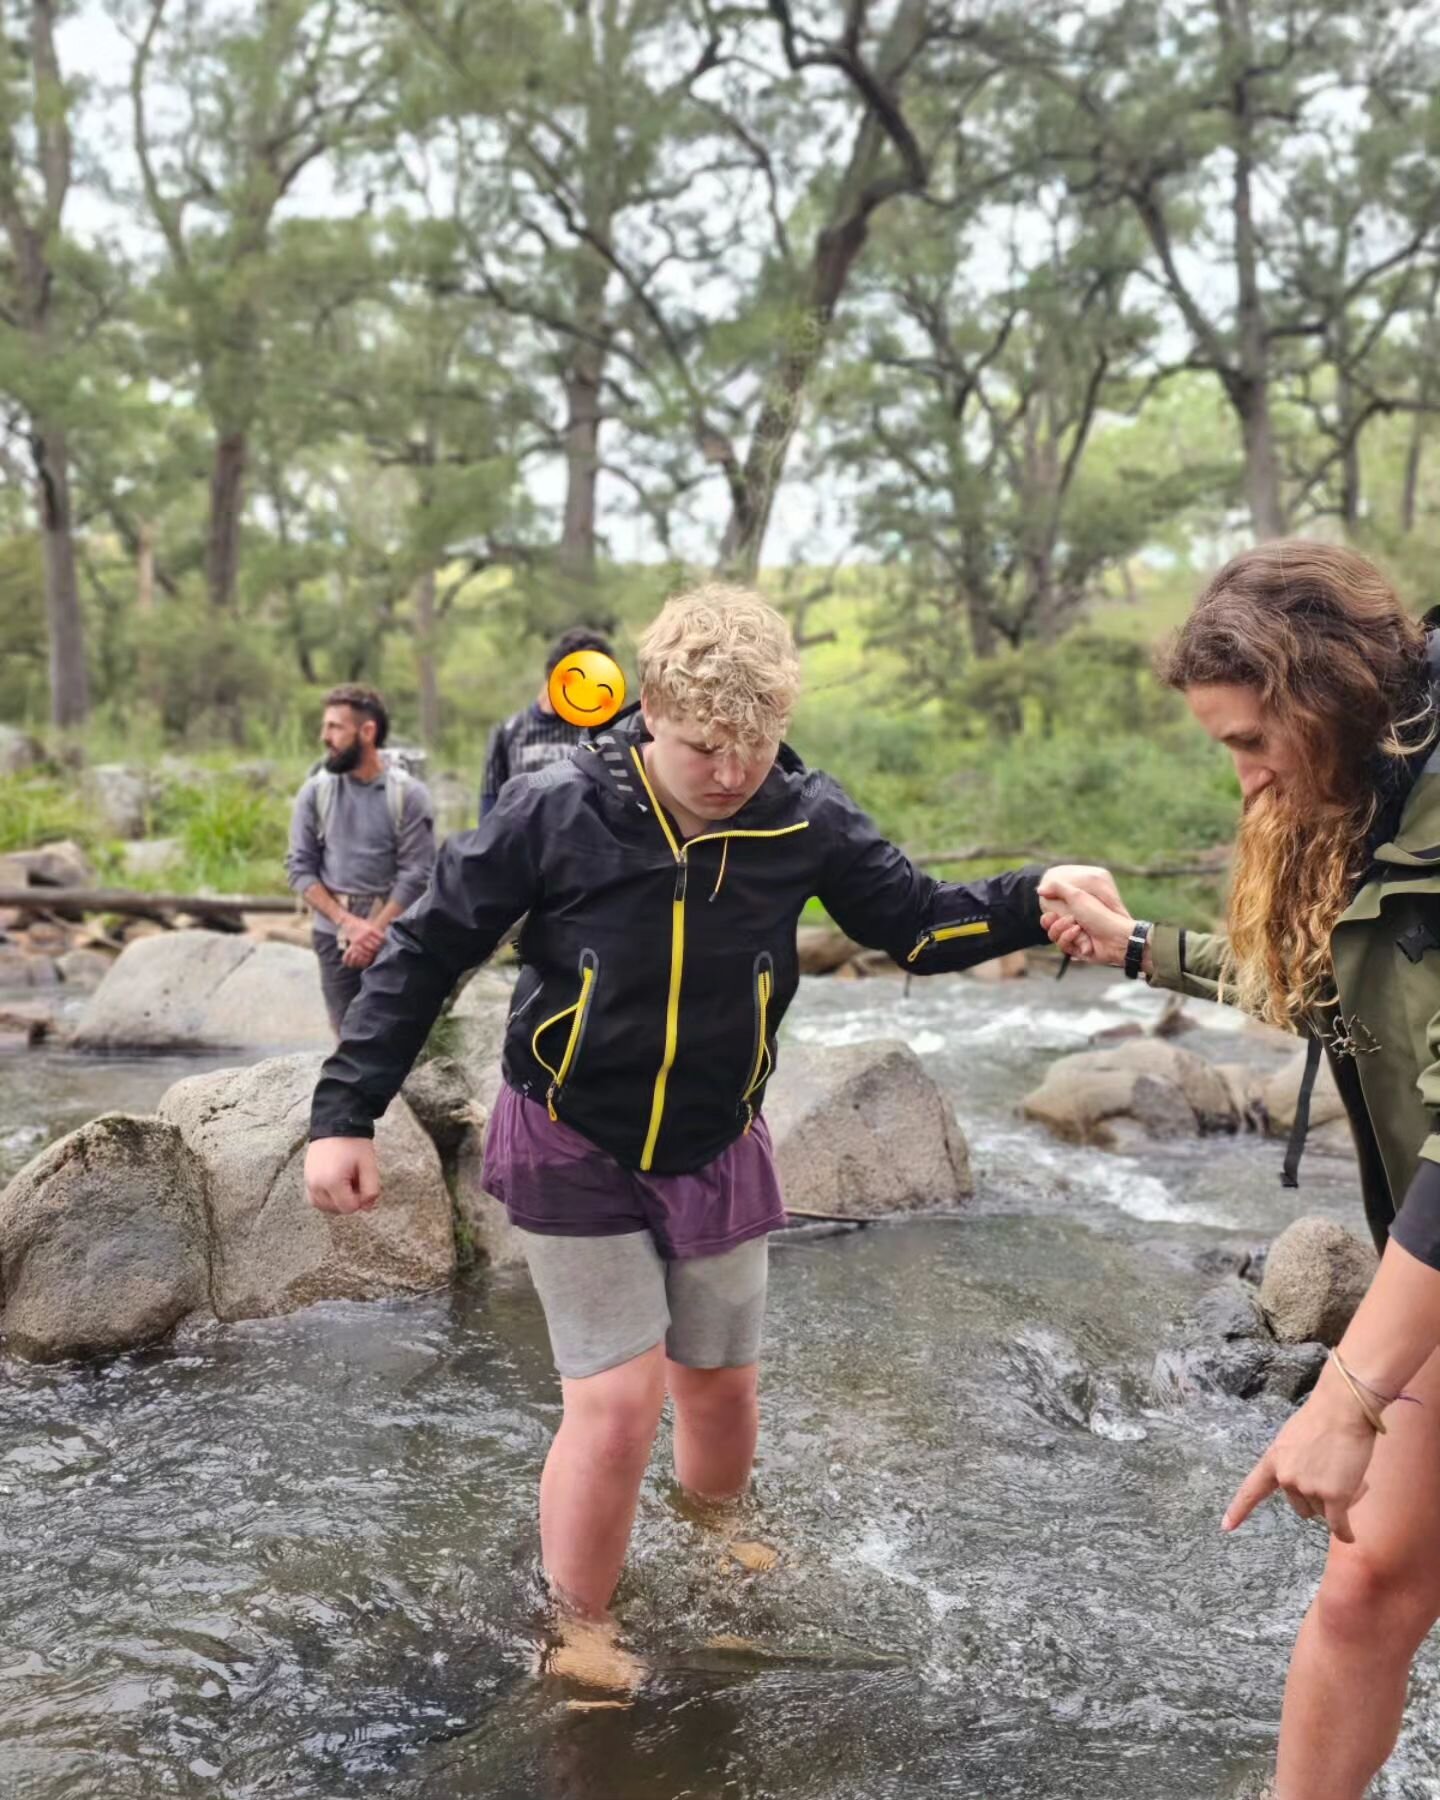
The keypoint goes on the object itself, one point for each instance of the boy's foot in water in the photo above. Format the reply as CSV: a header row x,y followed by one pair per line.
x,y
752,1555
589,1653
723,1519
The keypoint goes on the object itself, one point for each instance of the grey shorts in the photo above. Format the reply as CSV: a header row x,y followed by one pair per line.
x,y
608,1299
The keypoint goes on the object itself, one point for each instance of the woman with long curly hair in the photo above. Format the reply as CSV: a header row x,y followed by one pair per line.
x,y
1301,661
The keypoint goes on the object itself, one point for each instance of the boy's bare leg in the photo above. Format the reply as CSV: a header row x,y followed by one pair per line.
x,y
591,1483
717,1422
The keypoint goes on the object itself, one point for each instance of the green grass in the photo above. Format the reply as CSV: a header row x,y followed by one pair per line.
x,y
42,809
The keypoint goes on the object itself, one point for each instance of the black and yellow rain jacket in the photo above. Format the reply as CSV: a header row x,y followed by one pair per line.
x,y
656,970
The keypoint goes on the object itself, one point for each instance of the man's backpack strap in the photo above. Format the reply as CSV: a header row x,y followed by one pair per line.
x,y
397,782
323,794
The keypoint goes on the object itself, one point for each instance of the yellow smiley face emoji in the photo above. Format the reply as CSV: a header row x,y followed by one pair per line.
x,y
587,688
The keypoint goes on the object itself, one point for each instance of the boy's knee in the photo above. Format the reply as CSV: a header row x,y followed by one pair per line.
x,y
716,1397
617,1418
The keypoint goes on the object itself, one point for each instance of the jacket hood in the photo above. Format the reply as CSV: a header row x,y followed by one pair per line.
x,y
607,758
1415,840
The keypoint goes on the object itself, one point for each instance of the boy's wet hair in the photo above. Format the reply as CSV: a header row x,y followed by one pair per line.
x,y
723,657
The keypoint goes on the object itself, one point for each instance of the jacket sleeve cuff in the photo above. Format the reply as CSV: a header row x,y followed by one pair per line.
x,y
1416,1227
334,1112
1167,964
1031,876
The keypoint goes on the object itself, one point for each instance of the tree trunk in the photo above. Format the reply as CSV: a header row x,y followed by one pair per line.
x,y
69,679
839,244
425,659
227,498
1262,469
1349,458
583,376
1420,423
1411,489
145,571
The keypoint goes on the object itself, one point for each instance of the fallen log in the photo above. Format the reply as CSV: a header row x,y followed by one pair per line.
x,y
154,906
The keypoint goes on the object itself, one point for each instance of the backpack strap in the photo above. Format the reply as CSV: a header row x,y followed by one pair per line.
x,y
323,794
397,781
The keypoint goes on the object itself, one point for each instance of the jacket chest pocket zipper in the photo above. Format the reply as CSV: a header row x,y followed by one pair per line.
x,y
577,1014
973,928
760,1063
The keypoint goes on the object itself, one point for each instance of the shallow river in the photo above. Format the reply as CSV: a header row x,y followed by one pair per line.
x,y
297,1557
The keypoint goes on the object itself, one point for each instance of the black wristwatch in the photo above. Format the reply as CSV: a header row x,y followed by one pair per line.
x,y
1135,949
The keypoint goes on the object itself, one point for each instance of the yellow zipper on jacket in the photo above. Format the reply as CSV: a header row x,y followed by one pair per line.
x,y
764,988
978,928
677,943
557,1076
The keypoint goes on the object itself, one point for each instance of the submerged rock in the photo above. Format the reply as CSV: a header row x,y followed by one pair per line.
x,y
103,1240
1225,1346
83,969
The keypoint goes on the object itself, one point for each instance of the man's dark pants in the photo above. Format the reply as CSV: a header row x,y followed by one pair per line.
x,y
338,984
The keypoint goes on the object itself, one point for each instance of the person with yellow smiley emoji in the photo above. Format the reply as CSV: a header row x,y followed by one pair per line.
x,y
552,725
661,869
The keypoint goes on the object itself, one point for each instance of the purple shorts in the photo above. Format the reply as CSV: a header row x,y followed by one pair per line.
x,y
552,1180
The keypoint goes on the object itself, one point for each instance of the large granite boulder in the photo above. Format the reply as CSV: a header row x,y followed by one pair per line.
x,y
862,1130
205,990
103,1240
271,1251
1141,1088
1275,1096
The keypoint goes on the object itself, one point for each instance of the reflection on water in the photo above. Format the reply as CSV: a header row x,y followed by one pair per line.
x,y
297,1557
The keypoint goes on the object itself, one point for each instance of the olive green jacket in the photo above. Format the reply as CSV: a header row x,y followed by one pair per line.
x,y
1386,1025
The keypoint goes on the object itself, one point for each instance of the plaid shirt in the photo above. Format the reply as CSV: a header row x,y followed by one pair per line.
x,y
526,741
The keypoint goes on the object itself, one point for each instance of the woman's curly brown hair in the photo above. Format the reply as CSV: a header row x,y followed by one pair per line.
x,y
1340,666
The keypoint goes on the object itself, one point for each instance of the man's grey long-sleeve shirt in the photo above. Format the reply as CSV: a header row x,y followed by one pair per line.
x,y
363,856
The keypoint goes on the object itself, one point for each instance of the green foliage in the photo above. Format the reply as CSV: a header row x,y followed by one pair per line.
x,y
234,835
41,809
206,676
24,692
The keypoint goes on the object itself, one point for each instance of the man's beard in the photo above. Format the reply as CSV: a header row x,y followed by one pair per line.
x,y
341,762
1295,868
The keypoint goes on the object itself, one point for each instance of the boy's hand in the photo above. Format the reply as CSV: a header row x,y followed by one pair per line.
x,y
341,1174
1090,878
1083,913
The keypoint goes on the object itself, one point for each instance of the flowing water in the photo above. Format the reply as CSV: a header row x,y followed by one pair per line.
x,y
297,1557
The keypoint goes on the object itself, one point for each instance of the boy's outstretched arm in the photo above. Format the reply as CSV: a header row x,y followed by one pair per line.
x,y
880,898
483,881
